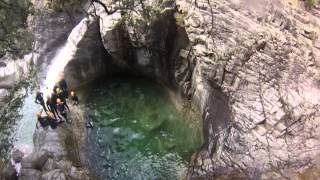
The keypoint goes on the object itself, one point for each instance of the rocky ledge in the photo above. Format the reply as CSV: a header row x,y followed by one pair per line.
x,y
56,154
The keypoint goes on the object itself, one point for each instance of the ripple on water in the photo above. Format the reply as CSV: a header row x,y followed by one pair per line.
x,y
138,133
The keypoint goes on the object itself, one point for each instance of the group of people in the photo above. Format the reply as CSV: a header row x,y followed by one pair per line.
x,y
55,106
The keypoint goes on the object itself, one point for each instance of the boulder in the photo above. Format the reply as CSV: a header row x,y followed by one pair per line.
x,y
30,174
9,173
54,175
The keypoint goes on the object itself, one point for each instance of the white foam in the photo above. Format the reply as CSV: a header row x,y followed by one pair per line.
x,y
62,57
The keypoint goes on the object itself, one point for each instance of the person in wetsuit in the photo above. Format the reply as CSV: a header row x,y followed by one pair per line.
x,y
53,122
55,88
48,120
74,98
40,100
62,109
42,120
62,97
63,84
52,106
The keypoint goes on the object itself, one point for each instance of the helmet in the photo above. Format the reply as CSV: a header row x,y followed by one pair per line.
x,y
58,100
50,114
61,76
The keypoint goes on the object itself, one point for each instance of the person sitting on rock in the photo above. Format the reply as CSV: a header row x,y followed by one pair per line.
x,y
42,119
62,109
74,98
52,121
40,100
61,95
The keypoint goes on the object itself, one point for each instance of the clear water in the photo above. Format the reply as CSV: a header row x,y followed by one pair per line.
x,y
18,122
138,133
25,127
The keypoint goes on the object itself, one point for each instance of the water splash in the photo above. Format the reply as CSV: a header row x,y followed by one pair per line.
x,y
63,56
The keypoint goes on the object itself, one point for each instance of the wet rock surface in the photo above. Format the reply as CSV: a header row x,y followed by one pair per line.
x,y
56,152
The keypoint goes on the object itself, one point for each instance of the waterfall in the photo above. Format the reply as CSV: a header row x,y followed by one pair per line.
x,y
26,126
62,57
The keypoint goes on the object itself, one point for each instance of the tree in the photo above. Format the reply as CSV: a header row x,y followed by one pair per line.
x,y
14,35
310,3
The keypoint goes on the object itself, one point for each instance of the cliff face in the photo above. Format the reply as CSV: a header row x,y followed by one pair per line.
x,y
251,67
264,56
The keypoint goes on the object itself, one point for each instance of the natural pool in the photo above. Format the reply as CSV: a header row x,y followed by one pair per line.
x,y
138,133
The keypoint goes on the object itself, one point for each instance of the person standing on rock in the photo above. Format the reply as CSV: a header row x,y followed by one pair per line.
x,y
61,95
63,84
62,109
51,107
40,100
74,98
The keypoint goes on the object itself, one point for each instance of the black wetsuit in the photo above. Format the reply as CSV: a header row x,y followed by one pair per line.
x,y
43,121
51,108
75,99
47,121
53,122
61,95
39,100
53,100
55,88
63,85
62,110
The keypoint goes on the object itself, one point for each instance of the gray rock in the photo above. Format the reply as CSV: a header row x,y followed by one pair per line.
x,y
54,175
30,174
17,155
9,173
38,159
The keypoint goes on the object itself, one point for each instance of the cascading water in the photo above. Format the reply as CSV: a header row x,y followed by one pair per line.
x,y
62,57
20,123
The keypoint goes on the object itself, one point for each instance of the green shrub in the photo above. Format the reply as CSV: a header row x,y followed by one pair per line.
x,y
14,35
311,3
65,5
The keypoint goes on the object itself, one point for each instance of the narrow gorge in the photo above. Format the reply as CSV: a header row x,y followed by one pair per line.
x,y
180,89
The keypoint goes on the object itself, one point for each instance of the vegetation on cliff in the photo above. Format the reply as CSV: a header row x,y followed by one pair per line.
x,y
68,6
310,3
14,35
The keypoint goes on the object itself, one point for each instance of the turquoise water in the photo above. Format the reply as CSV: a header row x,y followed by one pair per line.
x,y
138,134
18,120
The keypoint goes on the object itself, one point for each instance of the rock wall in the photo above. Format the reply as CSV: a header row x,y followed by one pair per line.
x,y
89,60
251,67
263,55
